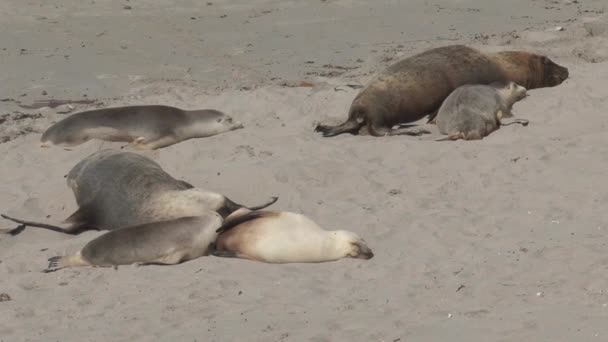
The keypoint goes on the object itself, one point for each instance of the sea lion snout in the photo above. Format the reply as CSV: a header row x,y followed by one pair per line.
x,y
557,73
364,252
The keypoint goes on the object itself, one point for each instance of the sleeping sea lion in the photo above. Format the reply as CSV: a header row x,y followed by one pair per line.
x,y
165,243
146,127
115,189
284,237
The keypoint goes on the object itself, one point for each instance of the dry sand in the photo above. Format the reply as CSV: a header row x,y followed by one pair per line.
x,y
502,239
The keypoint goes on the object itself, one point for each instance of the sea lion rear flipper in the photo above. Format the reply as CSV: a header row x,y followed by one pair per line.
x,y
23,223
349,126
186,184
273,199
58,262
523,122
230,206
254,215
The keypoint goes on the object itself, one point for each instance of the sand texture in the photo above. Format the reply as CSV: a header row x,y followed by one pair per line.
x,y
503,239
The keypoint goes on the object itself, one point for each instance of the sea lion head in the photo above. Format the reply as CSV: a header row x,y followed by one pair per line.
x,y
352,245
531,70
216,121
552,74
514,92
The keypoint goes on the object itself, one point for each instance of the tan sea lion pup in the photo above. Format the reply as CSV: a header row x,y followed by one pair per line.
x,y
472,112
116,189
284,237
146,127
416,86
164,243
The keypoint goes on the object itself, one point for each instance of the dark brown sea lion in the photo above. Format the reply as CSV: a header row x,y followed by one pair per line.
x,y
416,86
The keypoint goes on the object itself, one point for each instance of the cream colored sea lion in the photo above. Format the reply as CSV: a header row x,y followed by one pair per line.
x,y
165,243
116,189
284,237
416,86
472,112
146,127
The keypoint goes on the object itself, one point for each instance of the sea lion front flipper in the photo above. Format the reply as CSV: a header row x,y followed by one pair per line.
x,y
433,118
522,122
225,254
450,137
414,131
135,143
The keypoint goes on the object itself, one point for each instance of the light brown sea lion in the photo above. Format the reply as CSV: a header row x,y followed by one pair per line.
x,y
116,189
146,127
472,112
165,243
416,86
284,237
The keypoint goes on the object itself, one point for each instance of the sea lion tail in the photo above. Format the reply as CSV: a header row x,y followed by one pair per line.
x,y
347,127
24,223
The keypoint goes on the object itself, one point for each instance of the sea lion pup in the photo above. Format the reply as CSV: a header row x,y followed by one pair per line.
x,y
416,86
115,189
472,112
165,243
145,127
284,237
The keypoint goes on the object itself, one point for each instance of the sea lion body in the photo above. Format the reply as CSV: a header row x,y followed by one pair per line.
x,y
146,127
167,243
415,87
115,189
472,112
285,237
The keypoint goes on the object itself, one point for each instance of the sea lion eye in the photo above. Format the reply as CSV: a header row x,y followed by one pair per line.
x,y
219,120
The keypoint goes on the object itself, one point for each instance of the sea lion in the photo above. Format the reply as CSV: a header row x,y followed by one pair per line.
x,y
166,243
472,112
145,127
115,189
284,237
416,86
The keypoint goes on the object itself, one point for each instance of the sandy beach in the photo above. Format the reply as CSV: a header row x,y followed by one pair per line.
x,y
503,239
